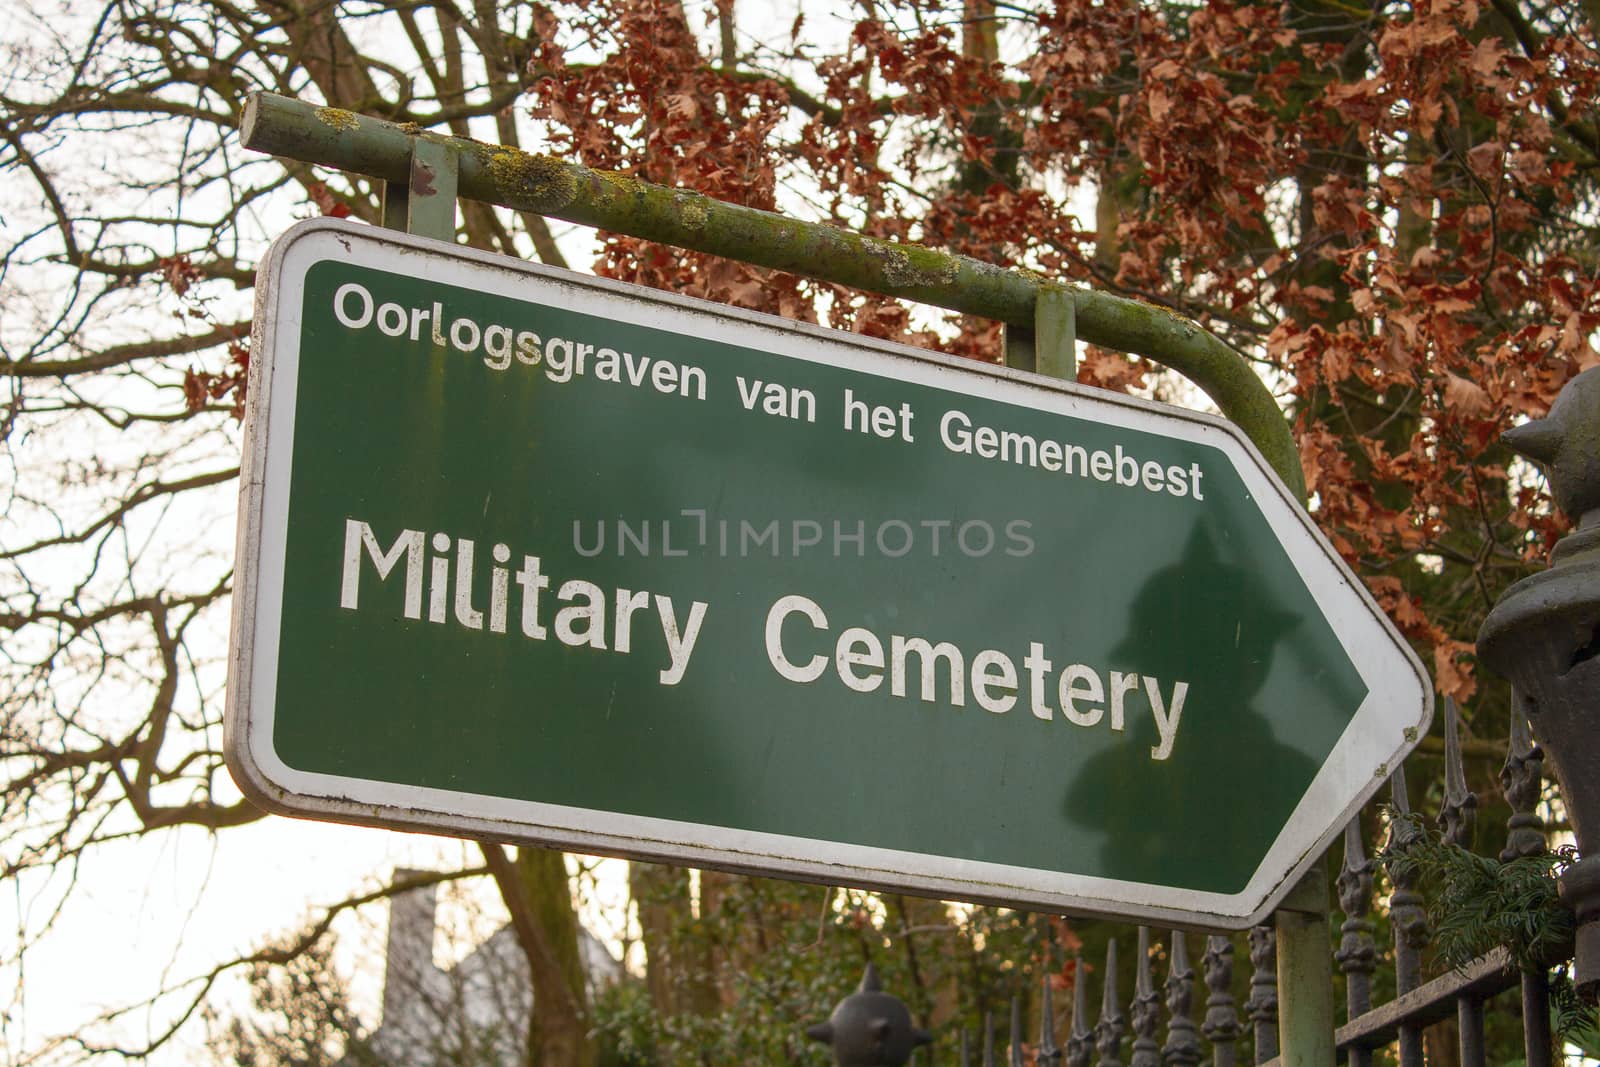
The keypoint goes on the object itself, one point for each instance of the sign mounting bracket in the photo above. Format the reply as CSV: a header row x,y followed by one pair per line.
x,y
425,203
1051,347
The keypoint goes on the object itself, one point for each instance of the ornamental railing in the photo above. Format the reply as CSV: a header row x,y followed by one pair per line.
x,y
1213,998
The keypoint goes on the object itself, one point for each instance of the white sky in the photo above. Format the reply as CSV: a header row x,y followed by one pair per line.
x,y
155,911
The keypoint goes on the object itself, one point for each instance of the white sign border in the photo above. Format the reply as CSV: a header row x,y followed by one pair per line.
x,y
1368,751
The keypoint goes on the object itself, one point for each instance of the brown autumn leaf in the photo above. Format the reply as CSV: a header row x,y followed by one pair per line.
x,y
1451,676
1464,397
683,107
1159,103
1111,370
1486,158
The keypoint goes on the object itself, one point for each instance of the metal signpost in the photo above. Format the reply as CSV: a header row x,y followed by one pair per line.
x,y
535,556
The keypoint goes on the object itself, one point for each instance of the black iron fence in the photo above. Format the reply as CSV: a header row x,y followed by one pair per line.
x,y
1191,1014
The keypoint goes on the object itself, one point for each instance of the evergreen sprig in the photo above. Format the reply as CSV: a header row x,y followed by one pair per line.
x,y
1476,903
1573,1021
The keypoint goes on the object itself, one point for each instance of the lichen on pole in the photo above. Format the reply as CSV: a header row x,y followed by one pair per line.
x,y
621,203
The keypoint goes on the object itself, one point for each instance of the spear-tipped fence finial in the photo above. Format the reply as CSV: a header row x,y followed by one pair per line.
x,y
1146,1009
1108,1031
1080,1042
1458,811
1521,781
1050,1054
1183,1043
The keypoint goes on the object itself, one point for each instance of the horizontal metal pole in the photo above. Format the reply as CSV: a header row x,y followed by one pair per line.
x,y
331,137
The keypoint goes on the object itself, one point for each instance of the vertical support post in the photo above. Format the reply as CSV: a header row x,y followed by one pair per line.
x,y
1051,347
1019,350
396,196
1305,974
425,204
1055,334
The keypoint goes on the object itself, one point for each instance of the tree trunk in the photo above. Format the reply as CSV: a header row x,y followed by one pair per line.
x,y
539,898
559,1037
677,950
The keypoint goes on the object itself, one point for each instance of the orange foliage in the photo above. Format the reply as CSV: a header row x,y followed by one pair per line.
x,y
1380,212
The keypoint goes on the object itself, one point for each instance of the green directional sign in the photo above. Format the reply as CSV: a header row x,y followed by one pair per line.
x,y
542,557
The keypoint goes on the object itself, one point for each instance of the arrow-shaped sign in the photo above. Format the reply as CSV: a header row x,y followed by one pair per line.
x,y
537,556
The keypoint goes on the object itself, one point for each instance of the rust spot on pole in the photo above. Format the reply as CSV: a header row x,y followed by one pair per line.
x,y
422,180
